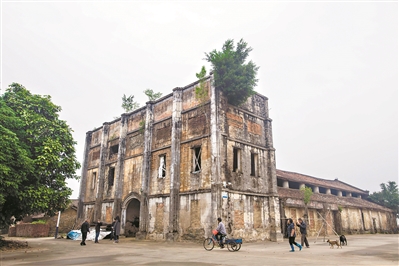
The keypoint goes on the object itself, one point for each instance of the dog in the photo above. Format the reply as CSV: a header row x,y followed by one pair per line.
x,y
334,242
342,240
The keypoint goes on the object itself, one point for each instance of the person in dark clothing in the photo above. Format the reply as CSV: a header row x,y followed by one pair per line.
x,y
292,235
117,229
112,231
98,227
85,228
302,228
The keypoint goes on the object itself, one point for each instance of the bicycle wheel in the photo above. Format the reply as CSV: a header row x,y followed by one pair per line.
x,y
237,247
209,244
231,246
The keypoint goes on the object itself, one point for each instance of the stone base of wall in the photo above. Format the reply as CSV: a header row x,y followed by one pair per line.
x,y
12,231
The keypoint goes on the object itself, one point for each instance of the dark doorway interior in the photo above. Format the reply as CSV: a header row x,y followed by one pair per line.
x,y
132,218
337,222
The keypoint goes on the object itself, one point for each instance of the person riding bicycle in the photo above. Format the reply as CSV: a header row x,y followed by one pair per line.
x,y
221,231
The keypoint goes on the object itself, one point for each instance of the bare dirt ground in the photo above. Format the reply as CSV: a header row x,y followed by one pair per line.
x,y
361,250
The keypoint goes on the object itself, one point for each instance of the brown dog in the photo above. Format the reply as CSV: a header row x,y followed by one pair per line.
x,y
334,242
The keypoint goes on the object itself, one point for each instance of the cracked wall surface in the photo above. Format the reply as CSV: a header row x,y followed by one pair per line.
x,y
194,140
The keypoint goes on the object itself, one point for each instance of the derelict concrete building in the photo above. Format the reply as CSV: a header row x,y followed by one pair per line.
x,y
171,168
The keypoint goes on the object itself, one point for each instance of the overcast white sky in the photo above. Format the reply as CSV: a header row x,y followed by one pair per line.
x,y
329,69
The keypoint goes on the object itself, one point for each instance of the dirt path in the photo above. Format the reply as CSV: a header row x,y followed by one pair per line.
x,y
361,250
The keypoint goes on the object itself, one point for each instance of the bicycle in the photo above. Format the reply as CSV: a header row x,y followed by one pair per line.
x,y
232,244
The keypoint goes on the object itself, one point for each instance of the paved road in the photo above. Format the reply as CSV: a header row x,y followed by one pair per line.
x,y
361,250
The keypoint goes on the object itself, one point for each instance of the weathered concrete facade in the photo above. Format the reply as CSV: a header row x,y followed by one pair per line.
x,y
339,206
171,168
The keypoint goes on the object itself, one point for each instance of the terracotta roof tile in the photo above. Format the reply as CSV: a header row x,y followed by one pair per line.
x,y
332,199
310,180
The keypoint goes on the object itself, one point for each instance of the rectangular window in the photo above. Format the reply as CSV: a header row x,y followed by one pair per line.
x,y
94,180
111,175
197,159
236,160
162,166
254,164
113,151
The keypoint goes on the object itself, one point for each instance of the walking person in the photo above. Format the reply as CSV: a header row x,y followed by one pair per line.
x,y
85,228
117,229
302,228
221,232
98,228
112,231
292,235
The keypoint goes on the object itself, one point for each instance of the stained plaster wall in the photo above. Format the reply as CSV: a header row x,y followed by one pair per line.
x,y
199,195
248,216
350,220
248,128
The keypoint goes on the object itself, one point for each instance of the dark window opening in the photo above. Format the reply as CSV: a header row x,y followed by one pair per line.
x,y
280,183
344,193
355,195
113,151
254,164
322,190
111,175
197,159
334,192
94,180
294,185
236,160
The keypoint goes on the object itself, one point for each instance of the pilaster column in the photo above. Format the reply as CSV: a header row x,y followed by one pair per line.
x,y
316,190
146,174
216,185
274,220
174,203
119,169
271,178
328,191
83,179
101,171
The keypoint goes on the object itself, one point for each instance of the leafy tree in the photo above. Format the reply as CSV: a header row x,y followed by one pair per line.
x,y
38,155
14,161
235,78
152,96
307,195
128,103
388,196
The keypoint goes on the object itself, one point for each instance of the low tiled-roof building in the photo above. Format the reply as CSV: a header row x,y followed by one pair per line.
x,y
334,206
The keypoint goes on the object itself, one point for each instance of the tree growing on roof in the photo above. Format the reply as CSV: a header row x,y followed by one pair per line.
x,y
232,75
388,196
152,96
307,195
202,91
128,103
37,155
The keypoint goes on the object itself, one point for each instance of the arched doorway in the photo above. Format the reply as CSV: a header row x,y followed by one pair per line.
x,y
132,217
